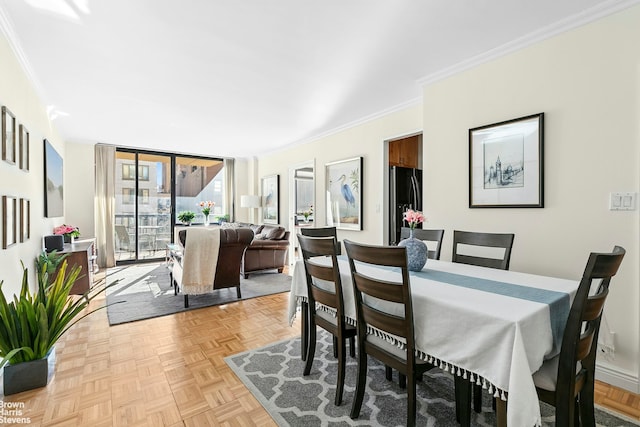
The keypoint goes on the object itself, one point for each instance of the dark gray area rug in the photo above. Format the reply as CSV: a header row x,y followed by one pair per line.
x,y
274,376
144,291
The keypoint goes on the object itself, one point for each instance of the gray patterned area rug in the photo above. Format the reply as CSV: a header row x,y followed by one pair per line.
x,y
143,291
274,376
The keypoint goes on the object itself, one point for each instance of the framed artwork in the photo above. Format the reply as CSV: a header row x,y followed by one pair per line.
x,y
343,189
270,199
25,220
24,148
8,136
8,221
506,164
53,185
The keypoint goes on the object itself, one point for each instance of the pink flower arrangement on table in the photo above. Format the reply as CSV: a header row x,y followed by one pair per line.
x,y
206,207
69,230
413,218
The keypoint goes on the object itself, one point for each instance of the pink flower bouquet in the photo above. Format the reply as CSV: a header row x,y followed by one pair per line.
x,y
413,218
68,230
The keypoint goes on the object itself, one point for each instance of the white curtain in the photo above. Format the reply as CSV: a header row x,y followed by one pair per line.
x,y
229,179
105,157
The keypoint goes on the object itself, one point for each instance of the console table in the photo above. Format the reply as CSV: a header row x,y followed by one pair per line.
x,y
82,254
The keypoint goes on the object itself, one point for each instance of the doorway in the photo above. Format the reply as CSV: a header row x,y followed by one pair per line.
x,y
301,203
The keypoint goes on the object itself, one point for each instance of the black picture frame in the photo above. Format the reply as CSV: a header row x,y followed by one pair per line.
x,y
506,164
8,136
53,182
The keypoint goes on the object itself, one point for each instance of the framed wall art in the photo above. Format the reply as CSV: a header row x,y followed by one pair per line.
x,y
343,189
53,184
8,221
24,148
270,199
25,220
506,167
8,136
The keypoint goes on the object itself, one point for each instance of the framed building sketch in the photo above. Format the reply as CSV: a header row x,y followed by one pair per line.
x,y
8,136
24,148
8,221
25,220
343,190
506,164
270,199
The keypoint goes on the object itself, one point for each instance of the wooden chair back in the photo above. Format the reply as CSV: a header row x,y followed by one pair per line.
x,y
330,293
427,235
487,240
579,341
323,232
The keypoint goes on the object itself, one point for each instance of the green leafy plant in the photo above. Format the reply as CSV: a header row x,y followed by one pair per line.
x,y
186,216
32,323
50,260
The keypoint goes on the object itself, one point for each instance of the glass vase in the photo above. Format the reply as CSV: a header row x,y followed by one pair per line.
x,y
206,220
416,252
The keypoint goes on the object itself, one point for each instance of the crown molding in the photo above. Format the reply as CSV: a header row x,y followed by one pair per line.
x,y
6,27
590,15
398,107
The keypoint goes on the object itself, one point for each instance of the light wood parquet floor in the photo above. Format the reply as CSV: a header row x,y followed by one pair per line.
x,y
170,371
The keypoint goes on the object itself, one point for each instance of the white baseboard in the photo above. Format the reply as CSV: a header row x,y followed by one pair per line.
x,y
618,378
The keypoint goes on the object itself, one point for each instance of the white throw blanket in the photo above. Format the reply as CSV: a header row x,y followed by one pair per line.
x,y
200,260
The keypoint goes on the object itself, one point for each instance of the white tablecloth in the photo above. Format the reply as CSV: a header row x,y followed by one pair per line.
x,y
502,339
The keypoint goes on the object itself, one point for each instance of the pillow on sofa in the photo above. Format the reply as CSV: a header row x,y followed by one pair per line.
x,y
274,233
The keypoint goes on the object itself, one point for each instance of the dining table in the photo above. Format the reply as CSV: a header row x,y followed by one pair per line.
x,y
493,327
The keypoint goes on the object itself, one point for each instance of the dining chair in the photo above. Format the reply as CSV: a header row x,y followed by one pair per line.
x,y
426,235
326,305
567,380
323,232
482,244
477,240
397,348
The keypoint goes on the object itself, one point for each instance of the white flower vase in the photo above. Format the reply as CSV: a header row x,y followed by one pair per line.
x,y
416,252
206,220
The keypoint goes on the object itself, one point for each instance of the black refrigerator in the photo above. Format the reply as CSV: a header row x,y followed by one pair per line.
x,y
405,192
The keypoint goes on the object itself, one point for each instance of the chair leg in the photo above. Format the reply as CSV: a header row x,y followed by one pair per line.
x,y
304,335
311,348
402,380
477,398
335,346
463,400
186,301
587,416
388,372
411,401
341,368
238,292
360,385
352,347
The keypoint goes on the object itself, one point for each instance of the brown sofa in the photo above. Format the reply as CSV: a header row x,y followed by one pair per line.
x,y
268,250
233,243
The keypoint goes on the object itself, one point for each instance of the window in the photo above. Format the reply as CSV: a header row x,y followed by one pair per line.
x,y
128,196
199,180
144,196
129,172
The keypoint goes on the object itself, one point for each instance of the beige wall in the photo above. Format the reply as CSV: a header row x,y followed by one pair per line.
x,y
18,94
587,82
366,140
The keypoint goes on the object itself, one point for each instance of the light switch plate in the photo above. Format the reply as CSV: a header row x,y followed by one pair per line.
x,y
622,201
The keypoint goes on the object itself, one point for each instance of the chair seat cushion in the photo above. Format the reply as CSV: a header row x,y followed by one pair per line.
x,y
546,377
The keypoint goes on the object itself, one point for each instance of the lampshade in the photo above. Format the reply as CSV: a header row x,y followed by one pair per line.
x,y
250,201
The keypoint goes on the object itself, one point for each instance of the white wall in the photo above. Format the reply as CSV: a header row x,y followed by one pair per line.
x,y
366,140
587,82
80,187
18,94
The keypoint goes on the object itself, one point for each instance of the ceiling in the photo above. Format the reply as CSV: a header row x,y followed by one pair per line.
x,y
239,78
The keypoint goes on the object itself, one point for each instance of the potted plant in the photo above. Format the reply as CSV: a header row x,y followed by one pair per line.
x,y
34,321
186,217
